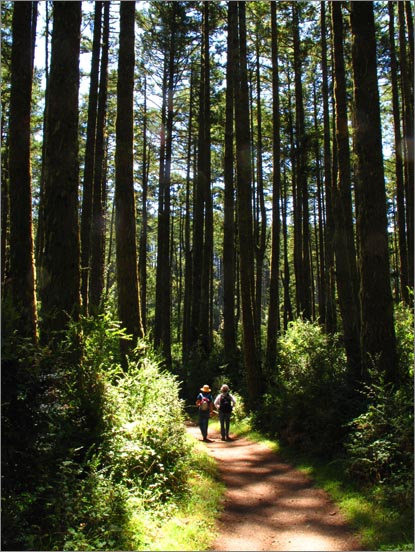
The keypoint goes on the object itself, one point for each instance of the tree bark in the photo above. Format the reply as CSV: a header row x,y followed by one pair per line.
x,y
400,184
287,309
346,268
408,136
203,224
244,217
273,309
329,277
162,321
229,266
260,225
204,172
303,276
98,226
40,231
142,258
377,332
21,274
187,300
88,189
60,270
127,271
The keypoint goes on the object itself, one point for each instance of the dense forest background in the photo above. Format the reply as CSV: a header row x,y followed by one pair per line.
x,y
225,188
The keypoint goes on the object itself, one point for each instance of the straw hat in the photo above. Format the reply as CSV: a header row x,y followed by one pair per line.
x,y
205,389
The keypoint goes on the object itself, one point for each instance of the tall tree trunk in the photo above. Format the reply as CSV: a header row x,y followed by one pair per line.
x,y
127,271
346,269
21,273
142,257
329,275
400,184
5,200
60,270
296,212
229,267
204,172
408,132
261,218
302,217
110,255
203,222
197,257
162,229
40,232
244,217
87,191
166,274
378,334
410,26
187,301
319,220
98,226
287,312
274,300
162,330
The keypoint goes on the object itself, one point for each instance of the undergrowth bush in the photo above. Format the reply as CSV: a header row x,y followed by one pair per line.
x,y
380,443
84,438
146,444
307,401
404,330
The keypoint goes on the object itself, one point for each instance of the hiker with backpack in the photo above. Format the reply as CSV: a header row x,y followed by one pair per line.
x,y
204,401
224,403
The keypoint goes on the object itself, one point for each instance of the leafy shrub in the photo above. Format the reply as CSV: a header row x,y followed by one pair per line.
x,y
307,402
146,443
84,437
239,412
404,329
380,444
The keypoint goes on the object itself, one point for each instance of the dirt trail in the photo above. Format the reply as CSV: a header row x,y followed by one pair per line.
x,y
269,505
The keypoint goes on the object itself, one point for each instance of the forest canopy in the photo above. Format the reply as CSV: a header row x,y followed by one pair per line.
x,y
213,177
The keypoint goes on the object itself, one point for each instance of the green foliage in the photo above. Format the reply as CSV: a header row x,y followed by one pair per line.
x,y
308,405
202,368
239,413
308,402
380,440
404,330
83,437
146,442
380,444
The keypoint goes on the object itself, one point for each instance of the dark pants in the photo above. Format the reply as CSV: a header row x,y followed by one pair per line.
x,y
225,420
204,422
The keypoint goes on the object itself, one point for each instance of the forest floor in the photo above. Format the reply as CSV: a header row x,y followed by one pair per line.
x,y
270,505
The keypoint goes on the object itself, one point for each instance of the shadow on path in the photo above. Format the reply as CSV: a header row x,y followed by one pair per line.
x,y
269,505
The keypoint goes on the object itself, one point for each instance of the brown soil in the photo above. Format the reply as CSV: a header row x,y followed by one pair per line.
x,y
269,505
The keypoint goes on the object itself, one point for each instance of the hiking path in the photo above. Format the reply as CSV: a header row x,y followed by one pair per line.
x,y
270,505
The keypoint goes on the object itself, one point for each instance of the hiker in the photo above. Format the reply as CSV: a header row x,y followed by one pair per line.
x,y
225,402
204,401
